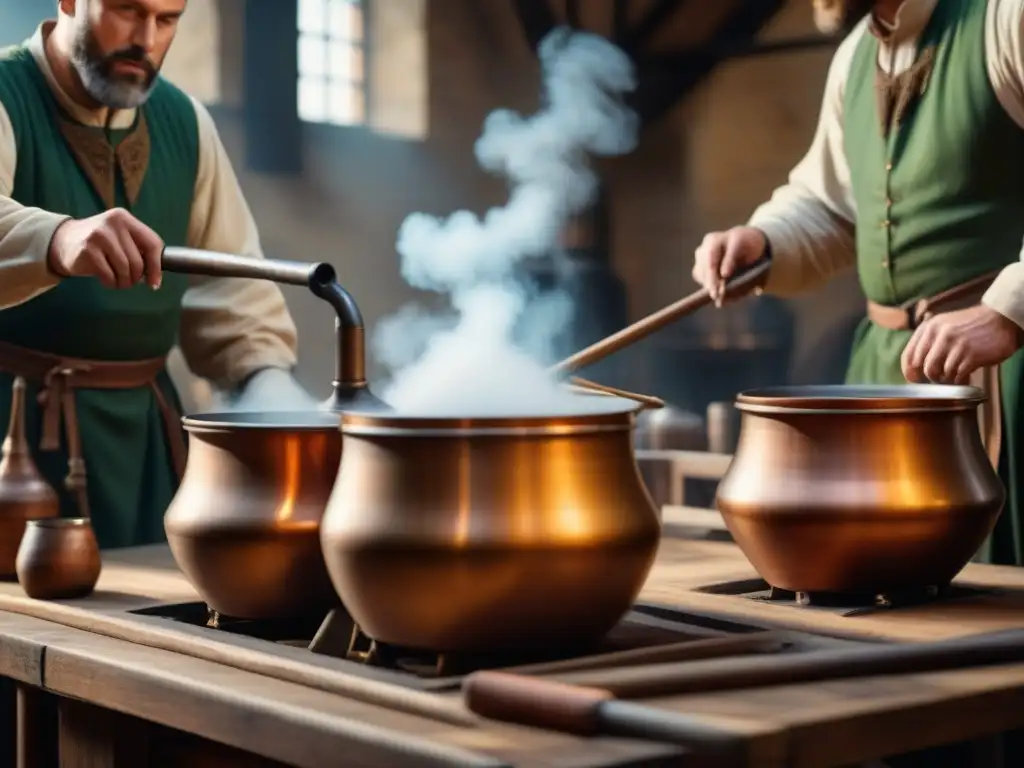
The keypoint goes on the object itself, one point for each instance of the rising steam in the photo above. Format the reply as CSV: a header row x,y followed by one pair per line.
x,y
468,363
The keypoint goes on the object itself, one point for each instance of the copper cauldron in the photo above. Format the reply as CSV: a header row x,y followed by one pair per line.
x,y
860,490
245,523
489,534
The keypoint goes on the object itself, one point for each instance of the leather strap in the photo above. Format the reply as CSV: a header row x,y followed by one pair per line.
x,y
909,316
58,378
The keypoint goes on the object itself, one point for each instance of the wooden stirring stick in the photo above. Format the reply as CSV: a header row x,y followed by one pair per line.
x,y
741,283
647,401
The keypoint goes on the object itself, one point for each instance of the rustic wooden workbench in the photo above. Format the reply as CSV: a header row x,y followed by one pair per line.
x,y
125,703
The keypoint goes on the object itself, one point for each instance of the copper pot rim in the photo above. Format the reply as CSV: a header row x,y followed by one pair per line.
x,y
849,399
391,424
59,523
287,421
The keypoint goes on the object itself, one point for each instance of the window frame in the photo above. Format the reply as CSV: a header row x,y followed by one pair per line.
x,y
354,47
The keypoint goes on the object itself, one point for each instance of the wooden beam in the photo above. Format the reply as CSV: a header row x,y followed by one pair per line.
x,y
661,89
536,18
273,132
697,57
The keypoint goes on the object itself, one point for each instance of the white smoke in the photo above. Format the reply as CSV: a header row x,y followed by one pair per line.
x,y
473,366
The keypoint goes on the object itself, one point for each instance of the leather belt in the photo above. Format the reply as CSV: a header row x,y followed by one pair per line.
x,y
58,378
908,316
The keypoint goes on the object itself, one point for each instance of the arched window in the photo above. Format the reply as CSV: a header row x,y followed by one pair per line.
x,y
332,62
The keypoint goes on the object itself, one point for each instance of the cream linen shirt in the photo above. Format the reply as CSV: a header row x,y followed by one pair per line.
x,y
229,327
810,220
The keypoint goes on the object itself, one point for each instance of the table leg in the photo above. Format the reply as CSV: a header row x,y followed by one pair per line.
x,y
37,728
91,737
8,724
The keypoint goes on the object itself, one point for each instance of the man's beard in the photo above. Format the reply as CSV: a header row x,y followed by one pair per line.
x,y
835,16
95,70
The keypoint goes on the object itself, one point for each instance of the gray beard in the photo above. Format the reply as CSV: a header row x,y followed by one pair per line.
x,y
108,91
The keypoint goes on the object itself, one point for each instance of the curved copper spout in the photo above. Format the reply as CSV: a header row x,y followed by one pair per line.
x,y
350,386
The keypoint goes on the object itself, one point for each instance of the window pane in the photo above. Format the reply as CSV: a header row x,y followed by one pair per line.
x,y
312,15
346,105
312,56
345,20
346,62
312,100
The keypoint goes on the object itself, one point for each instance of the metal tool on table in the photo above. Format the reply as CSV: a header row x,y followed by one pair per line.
x,y
590,703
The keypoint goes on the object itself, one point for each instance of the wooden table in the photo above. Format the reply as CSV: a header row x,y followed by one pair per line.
x,y
114,702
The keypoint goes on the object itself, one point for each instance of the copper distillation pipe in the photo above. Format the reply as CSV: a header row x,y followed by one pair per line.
x,y
350,388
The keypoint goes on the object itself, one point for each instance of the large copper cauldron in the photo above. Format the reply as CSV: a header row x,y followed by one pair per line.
x,y
489,534
860,490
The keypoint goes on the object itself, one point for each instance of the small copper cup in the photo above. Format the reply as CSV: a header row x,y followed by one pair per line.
x,y
59,558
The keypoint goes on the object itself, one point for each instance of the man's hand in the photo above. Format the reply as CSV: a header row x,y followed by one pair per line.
x,y
114,247
722,254
948,348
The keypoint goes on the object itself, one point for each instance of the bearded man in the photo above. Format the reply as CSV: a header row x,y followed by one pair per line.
x,y
102,163
914,178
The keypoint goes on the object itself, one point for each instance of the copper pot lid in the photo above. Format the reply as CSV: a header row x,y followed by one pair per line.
x,y
860,398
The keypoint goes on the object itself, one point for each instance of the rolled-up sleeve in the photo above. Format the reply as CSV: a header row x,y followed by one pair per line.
x,y
230,327
809,221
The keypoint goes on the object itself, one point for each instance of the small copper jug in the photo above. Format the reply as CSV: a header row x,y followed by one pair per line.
x,y
59,558
24,494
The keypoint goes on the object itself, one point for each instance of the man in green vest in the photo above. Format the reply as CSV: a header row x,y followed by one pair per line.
x,y
914,178
102,163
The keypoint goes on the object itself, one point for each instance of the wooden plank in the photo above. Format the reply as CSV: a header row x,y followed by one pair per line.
x,y
290,723
813,724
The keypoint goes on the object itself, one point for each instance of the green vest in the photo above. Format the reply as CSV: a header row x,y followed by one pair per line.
x,y
131,479
939,200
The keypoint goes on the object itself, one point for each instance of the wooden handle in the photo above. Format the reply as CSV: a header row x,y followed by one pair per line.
x,y
745,281
719,674
535,701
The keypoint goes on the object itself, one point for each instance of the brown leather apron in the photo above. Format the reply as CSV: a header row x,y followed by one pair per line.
x,y
909,316
58,378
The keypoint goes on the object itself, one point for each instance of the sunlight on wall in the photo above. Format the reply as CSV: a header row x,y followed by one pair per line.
x,y
398,75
